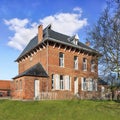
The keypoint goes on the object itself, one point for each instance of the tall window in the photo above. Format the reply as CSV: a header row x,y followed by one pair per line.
x,y
16,85
92,66
84,64
84,84
20,84
61,82
76,62
67,82
52,81
89,84
61,59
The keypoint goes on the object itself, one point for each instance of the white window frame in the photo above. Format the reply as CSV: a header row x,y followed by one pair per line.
x,y
90,85
76,62
61,82
84,84
61,59
67,81
57,81
84,64
92,66
75,41
76,89
52,82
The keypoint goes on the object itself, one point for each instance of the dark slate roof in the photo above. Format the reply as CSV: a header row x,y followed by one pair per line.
x,y
49,34
64,38
30,45
102,82
36,70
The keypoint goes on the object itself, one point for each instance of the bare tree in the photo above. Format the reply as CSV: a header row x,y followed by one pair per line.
x,y
105,38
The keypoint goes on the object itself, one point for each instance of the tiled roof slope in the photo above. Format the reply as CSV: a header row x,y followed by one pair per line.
x,y
36,70
30,45
49,34
64,38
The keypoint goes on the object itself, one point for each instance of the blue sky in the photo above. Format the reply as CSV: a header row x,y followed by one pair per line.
x,y
19,20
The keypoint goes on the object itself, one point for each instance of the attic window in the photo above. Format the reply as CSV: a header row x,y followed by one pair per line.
x,y
75,40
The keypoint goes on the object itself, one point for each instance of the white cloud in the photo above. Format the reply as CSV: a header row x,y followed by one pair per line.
x,y
24,30
67,23
78,9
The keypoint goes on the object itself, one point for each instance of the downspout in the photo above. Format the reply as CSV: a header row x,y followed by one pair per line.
x,y
47,57
47,64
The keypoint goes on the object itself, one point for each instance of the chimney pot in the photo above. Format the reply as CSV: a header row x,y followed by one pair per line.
x,y
40,33
88,43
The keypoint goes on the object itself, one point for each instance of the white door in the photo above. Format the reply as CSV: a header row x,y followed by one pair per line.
x,y
75,85
37,89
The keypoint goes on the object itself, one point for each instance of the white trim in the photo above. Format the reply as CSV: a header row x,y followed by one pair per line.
x,y
57,82
75,85
36,89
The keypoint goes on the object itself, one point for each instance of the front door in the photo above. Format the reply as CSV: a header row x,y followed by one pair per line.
x,y
75,85
37,89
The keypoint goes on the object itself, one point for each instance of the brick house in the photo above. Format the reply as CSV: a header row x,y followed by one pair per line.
x,y
55,66
5,88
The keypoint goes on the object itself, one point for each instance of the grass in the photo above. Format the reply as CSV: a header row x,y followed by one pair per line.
x,y
59,110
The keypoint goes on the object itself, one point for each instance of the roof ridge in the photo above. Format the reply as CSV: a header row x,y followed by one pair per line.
x,y
60,33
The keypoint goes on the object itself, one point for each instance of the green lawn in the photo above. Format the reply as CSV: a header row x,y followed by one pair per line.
x,y
59,110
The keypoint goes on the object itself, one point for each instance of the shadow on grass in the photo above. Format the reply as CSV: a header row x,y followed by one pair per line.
x,y
117,101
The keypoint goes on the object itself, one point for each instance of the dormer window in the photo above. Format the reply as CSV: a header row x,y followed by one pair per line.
x,y
76,38
75,41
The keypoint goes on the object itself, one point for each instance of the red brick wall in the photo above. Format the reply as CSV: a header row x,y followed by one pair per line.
x,y
5,84
27,91
39,56
5,87
53,68
68,69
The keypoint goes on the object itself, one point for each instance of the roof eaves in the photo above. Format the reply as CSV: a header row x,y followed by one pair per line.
x,y
29,75
29,51
54,40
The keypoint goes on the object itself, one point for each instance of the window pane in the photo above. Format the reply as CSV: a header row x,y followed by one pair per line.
x,y
84,84
84,64
75,62
92,66
61,82
52,81
61,59
61,55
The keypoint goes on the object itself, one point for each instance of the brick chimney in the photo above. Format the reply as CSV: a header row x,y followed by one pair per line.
x,y
40,33
87,43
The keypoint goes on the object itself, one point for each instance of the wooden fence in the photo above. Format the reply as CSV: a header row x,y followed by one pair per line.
x,y
47,96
